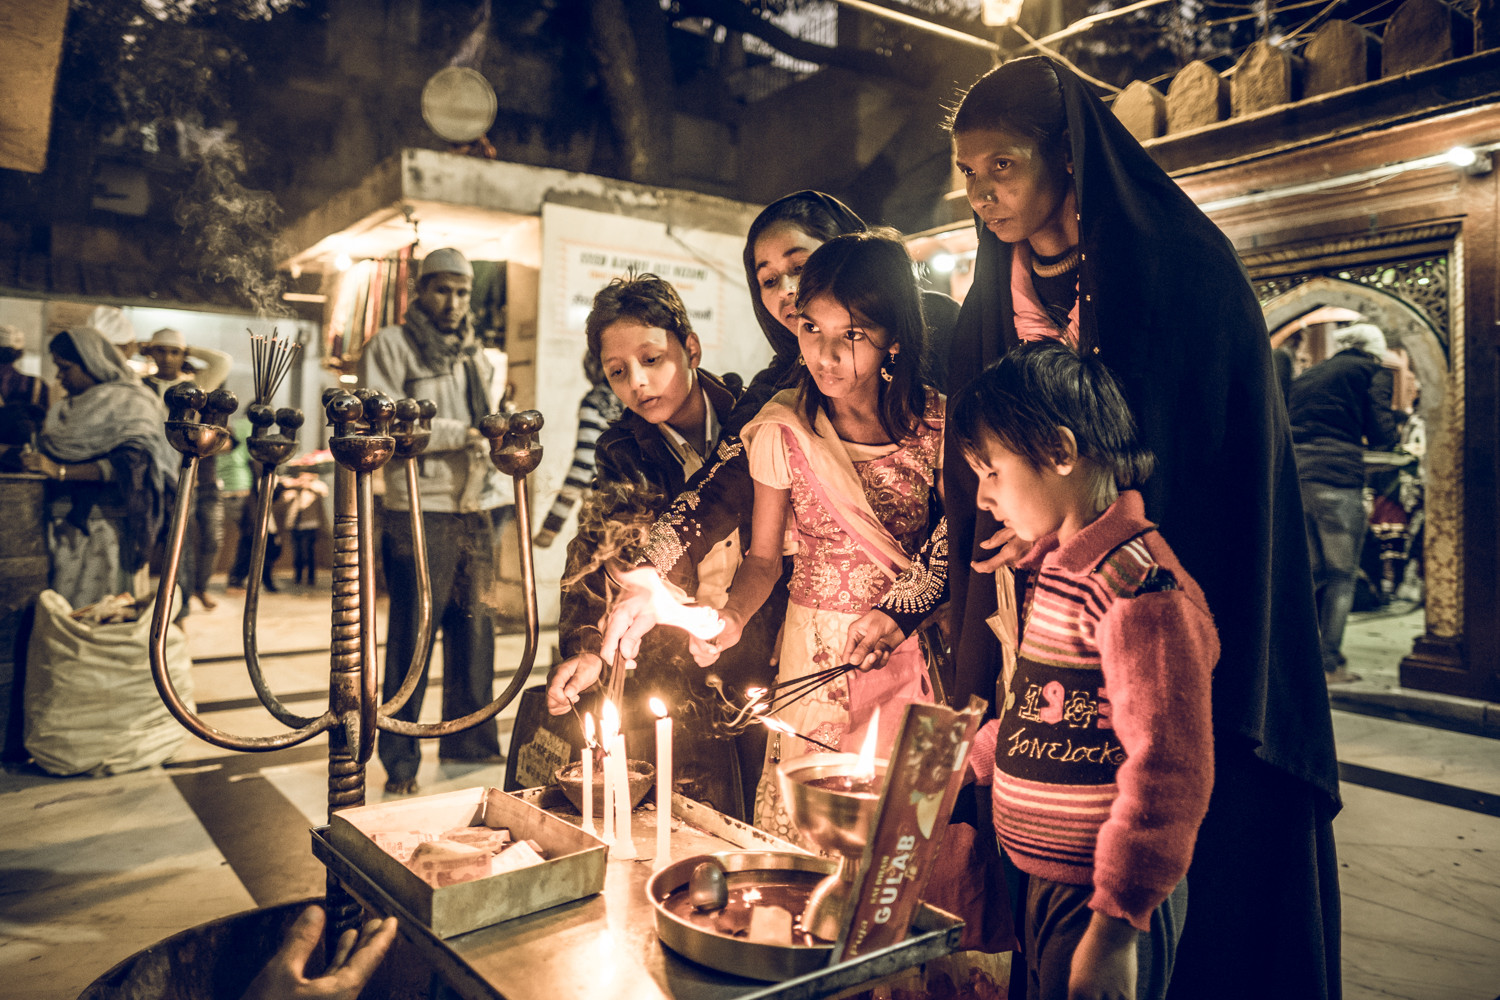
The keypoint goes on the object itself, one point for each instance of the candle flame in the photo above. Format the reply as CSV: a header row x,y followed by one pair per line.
x,y
866,766
658,709
609,723
588,728
777,726
703,622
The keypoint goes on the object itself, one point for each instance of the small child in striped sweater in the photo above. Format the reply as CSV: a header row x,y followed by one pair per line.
x,y
1101,759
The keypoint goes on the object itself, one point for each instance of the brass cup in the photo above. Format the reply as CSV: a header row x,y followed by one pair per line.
x,y
838,823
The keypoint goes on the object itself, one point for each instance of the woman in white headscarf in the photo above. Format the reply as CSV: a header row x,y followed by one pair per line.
x,y
105,447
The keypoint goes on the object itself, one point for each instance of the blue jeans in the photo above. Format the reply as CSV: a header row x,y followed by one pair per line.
x,y
1336,521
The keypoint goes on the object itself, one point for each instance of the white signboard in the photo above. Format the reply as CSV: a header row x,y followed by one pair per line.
x,y
582,251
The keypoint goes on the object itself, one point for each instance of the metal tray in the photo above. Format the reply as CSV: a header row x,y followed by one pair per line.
x,y
605,947
738,956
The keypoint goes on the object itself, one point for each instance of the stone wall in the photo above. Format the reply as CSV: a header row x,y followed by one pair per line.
x,y
1339,55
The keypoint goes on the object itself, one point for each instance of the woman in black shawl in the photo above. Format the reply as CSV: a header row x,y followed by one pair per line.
x,y
1083,237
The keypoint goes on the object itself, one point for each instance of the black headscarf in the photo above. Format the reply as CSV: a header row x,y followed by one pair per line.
x,y
1165,302
817,214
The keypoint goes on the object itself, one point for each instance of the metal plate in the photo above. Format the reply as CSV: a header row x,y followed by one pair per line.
x,y
458,104
738,956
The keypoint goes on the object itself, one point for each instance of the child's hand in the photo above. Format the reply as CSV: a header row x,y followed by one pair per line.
x,y
1011,548
1104,963
871,640
631,615
706,651
571,678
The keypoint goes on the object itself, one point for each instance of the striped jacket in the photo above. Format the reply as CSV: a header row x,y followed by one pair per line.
x,y
1102,762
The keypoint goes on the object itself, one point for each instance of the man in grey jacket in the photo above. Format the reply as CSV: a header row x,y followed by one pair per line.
x,y
435,355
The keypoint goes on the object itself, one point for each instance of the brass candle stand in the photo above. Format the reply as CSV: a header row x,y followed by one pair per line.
x,y
368,431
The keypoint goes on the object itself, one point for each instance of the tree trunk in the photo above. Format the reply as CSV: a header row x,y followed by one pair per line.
x,y
635,72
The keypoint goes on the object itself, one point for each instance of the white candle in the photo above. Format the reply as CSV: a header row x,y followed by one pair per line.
x,y
588,773
616,787
609,724
663,783
624,836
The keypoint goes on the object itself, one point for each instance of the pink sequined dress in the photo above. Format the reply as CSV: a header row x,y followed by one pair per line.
x,y
838,576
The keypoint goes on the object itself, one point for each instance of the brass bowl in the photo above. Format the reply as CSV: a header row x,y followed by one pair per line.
x,y
640,774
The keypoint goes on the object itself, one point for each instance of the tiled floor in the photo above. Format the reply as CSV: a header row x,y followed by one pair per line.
x,y
94,869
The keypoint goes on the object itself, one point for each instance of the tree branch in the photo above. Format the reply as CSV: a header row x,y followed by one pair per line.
x,y
736,16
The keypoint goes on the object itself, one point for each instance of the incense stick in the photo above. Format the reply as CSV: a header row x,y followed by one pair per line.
x,y
271,360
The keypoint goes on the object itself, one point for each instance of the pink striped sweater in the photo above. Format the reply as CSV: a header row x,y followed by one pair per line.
x,y
1102,765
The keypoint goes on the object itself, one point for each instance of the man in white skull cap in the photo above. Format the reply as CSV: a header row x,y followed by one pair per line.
x,y
169,351
1338,408
434,354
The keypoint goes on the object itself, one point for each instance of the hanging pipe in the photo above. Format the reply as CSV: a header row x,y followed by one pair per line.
x,y
197,426
269,450
411,431
515,451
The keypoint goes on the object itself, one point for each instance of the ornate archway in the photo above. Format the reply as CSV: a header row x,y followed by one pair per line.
x,y
1441,406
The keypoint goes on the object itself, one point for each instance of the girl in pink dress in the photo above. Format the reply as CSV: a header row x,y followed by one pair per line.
x,y
845,468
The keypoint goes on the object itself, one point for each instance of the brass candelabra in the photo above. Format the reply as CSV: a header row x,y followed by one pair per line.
x,y
369,430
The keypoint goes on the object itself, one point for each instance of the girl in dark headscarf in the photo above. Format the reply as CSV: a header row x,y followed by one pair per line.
x,y
106,447
1082,237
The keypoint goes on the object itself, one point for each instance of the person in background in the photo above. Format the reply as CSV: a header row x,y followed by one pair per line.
x,y
305,520
235,474
119,331
1338,408
434,354
23,398
249,508
597,410
106,449
169,352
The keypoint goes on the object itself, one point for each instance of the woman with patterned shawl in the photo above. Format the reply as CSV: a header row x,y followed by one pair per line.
x,y
105,447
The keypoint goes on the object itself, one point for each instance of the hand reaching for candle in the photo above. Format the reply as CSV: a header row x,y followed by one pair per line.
x,y
706,652
353,963
631,616
871,640
570,678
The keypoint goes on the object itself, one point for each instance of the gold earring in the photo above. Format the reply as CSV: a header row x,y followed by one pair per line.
x,y
890,359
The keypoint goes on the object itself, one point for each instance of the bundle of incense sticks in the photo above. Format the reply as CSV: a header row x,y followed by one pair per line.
x,y
778,696
270,360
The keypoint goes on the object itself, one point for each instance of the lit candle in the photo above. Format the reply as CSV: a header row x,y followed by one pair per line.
x,y
663,783
609,724
588,773
615,771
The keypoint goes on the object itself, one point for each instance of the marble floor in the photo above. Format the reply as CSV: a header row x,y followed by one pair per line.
x,y
94,869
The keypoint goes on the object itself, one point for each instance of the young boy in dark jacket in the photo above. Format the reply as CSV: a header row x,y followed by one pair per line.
x,y
640,333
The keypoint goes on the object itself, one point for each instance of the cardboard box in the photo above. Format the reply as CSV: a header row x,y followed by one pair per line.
x,y
575,868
